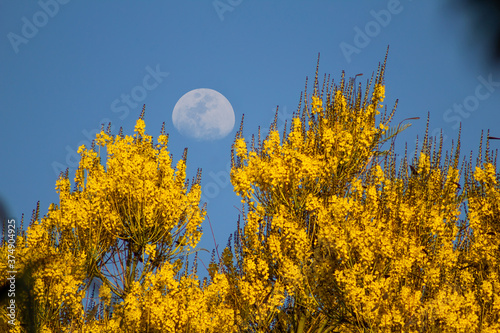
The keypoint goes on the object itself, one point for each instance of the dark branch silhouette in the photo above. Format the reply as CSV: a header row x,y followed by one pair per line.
x,y
486,25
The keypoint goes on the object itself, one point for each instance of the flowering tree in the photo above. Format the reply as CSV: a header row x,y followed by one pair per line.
x,y
125,227
337,235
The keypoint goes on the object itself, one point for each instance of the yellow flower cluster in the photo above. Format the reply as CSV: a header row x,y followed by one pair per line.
x,y
354,244
336,236
125,226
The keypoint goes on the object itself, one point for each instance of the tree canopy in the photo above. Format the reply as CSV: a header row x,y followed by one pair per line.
x,y
336,234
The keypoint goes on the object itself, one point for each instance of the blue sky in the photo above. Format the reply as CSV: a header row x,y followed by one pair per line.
x,y
66,66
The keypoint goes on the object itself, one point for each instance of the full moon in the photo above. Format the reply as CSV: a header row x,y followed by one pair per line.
x,y
203,114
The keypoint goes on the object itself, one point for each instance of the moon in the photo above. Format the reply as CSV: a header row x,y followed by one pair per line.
x,y
203,114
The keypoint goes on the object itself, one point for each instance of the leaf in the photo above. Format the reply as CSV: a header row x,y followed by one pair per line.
x,y
413,170
381,153
91,314
392,132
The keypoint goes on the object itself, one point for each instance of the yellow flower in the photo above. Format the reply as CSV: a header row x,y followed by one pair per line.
x,y
317,105
140,126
